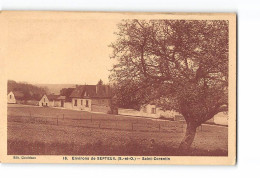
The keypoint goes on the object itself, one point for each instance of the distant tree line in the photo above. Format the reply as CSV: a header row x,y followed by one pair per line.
x,y
26,91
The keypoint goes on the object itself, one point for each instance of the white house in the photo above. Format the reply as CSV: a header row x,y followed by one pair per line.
x,y
95,98
11,98
44,101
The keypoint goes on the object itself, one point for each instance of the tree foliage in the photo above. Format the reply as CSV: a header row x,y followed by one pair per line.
x,y
183,65
100,82
178,64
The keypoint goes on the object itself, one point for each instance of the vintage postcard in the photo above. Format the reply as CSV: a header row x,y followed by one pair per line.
x,y
118,88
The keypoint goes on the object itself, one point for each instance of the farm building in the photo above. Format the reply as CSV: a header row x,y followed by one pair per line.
x,y
149,110
11,98
15,97
95,98
52,101
56,100
44,101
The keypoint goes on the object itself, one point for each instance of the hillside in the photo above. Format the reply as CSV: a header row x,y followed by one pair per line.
x,y
26,91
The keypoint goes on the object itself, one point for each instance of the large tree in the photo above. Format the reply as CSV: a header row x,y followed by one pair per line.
x,y
181,65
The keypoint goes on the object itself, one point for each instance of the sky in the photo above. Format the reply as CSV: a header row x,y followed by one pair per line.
x,y
59,49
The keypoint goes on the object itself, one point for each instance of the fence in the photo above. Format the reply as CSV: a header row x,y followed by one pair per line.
x,y
112,122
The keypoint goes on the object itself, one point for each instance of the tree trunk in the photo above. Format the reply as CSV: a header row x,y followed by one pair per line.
x,y
189,137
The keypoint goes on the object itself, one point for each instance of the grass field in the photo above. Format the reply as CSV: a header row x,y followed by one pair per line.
x,y
52,131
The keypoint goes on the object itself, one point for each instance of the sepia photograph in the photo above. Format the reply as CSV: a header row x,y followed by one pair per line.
x,y
144,88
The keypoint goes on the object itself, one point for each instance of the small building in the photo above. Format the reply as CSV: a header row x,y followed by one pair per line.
x,y
11,98
150,110
44,101
96,98
220,118
15,97
53,100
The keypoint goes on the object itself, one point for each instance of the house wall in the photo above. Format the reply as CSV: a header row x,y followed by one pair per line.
x,y
220,118
81,104
101,105
68,105
149,111
51,103
95,105
57,103
11,98
44,101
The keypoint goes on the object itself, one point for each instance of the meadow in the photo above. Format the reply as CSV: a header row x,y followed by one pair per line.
x,y
52,131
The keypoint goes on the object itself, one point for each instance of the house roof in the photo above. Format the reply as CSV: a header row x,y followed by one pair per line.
x,y
52,97
91,91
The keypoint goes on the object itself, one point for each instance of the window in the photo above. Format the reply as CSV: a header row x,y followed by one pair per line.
x,y
153,111
86,103
10,96
75,103
81,102
144,109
